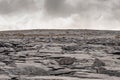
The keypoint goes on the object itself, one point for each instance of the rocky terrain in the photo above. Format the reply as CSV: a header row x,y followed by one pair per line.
x,y
60,55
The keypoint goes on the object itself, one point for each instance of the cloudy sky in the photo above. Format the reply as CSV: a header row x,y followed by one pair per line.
x,y
59,14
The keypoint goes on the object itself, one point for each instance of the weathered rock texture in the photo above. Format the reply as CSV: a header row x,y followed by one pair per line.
x,y
59,55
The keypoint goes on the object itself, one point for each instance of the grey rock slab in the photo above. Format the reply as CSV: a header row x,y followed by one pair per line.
x,y
28,70
62,72
2,50
103,70
56,67
66,61
98,63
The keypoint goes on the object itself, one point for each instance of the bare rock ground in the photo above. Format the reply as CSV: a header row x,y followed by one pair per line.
x,y
59,55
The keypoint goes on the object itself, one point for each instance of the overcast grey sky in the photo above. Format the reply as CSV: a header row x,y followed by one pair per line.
x,y
59,14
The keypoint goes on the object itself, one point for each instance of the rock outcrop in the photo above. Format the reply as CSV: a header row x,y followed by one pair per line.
x,y
38,56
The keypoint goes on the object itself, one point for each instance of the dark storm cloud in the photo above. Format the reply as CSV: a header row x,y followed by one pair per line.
x,y
11,6
62,8
58,8
83,8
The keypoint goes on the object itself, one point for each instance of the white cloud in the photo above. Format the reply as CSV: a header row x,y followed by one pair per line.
x,y
70,14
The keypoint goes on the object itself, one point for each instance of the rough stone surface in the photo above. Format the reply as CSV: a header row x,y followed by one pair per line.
x,y
66,61
38,56
98,63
